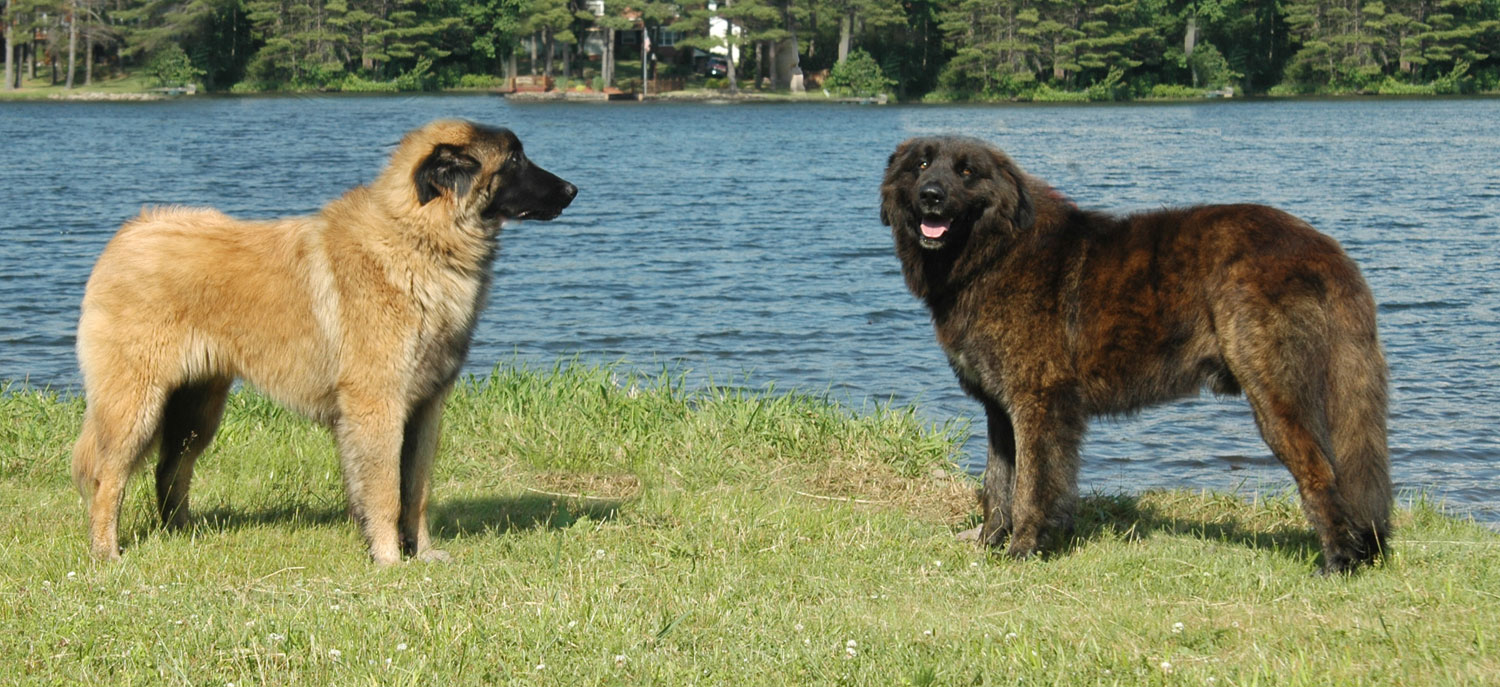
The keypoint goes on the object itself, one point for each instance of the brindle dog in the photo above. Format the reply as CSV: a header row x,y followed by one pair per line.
x,y
1050,315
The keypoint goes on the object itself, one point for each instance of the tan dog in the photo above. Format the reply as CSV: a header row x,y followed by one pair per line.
x,y
359,317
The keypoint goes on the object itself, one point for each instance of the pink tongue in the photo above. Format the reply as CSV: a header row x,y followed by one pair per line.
x,y
934,229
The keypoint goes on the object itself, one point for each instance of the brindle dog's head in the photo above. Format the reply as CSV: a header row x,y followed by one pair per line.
x,y
940,191
477,174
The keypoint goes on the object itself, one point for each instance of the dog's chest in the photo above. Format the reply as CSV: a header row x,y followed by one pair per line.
x,y
447,320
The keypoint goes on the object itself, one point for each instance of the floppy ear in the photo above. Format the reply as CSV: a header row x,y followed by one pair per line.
x,y
892,208
446,168
1024,213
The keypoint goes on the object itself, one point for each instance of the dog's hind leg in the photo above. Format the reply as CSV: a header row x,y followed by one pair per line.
x,y
189,420
119,425
418,447
1303,446
1282,363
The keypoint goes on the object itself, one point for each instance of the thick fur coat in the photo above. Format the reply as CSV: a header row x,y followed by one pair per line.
x,y
359,316
1051,315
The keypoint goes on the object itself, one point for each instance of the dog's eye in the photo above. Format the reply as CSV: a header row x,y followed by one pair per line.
x,y
922,165
967,172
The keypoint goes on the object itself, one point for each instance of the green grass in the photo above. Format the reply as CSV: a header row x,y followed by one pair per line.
x,y
42,89
624,531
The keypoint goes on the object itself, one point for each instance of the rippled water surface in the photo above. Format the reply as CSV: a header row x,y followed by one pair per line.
x,y
744,242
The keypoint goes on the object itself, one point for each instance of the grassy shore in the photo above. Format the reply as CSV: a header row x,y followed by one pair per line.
x,y
133,86
623,531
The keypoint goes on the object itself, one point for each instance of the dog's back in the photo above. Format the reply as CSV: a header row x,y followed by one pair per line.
x,y
190,293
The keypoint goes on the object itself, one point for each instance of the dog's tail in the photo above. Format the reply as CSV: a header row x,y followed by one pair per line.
x,y
85,461
1357,423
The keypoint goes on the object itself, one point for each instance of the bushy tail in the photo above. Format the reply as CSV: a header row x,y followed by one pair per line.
x,y
1357,422
85,461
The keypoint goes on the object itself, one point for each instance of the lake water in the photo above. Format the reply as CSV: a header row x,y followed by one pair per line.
x,y
743,242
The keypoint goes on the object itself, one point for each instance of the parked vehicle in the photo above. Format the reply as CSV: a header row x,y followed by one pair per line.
x,y
716,66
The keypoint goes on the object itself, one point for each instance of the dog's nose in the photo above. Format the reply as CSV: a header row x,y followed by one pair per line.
x,y
932,195
570,190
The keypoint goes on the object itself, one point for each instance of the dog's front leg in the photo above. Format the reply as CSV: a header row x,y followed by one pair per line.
x,y
417,451
369,434
1048,434
997,494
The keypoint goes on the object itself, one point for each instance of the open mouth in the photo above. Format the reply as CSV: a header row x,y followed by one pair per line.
x,y
538,215
934,231
511,215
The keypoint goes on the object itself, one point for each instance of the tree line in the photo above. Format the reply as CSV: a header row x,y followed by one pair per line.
x,y
932,49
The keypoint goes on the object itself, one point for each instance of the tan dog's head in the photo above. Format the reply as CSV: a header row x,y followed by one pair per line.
x,y
472,173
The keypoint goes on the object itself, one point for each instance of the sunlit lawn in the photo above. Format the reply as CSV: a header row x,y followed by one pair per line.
x,y
624,531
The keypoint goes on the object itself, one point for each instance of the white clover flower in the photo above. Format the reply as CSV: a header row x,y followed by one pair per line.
x,y
1177,628
72,574
937,564
276,636
1010,636
851,644
541,666
1166,666
335,654
797,627
46,583
599,554
401,646
926,633
619,660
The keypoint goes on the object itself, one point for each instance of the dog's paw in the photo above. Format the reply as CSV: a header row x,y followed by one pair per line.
x,y
104,550
970,535
1022,547
434,556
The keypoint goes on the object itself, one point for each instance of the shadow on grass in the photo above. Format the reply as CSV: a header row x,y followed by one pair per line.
x,y
502,514
447,519
1126,516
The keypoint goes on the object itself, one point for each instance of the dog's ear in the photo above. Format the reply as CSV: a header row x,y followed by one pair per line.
x,y
891,203
446,168
1024,212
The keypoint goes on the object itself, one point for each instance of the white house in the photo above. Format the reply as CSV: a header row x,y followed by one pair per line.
x,y
718,28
